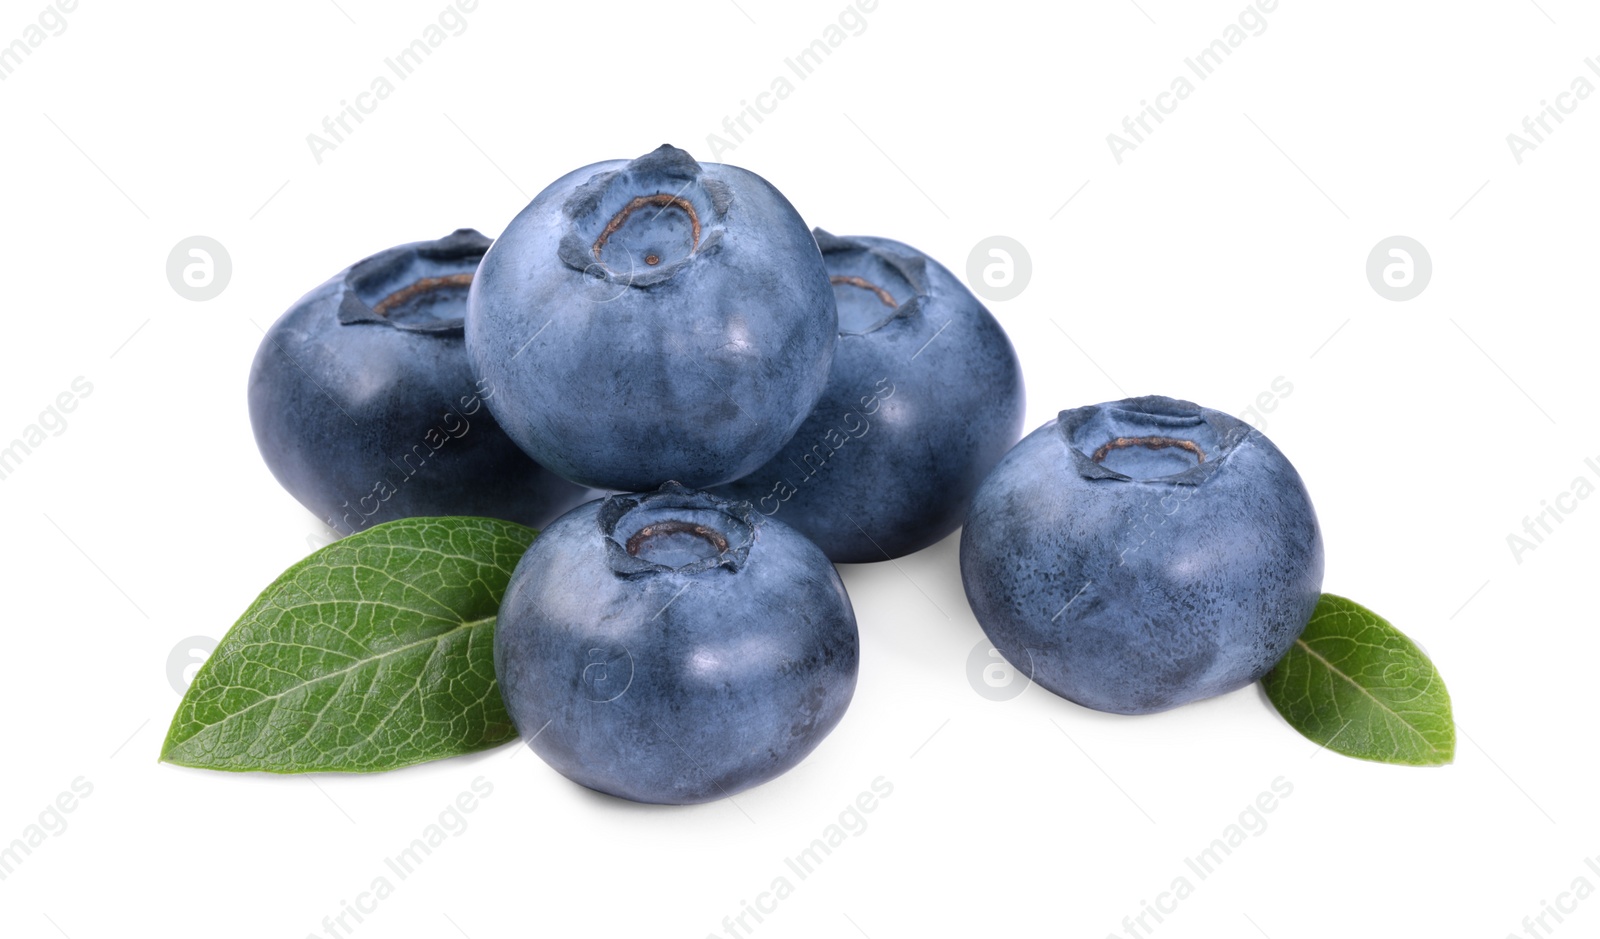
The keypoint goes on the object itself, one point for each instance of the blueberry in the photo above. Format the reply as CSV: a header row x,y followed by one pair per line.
x,y
365,409
673,647
652,320
925,396
1140,554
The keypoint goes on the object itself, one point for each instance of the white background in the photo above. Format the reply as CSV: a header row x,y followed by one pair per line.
x,y
1225,252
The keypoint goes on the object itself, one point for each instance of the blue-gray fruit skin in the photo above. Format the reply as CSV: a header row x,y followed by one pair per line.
x,y
653,319
365,409
711,656
924,398
1107,561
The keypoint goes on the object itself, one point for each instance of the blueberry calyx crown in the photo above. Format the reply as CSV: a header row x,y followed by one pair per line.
x,y
664,201
642,538
1152,439
884,296
676,529
879,285
420,287
642,223
416,289
1153,443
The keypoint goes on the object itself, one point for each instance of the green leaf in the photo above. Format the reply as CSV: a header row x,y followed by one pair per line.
x,y
375,652
1355,684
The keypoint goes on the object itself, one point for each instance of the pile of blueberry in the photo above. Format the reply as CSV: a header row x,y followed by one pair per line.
x,y
705,405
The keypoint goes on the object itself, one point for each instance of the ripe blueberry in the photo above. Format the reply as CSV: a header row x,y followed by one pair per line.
x,y
673,647
924,397
366,411
1140,554
653,319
